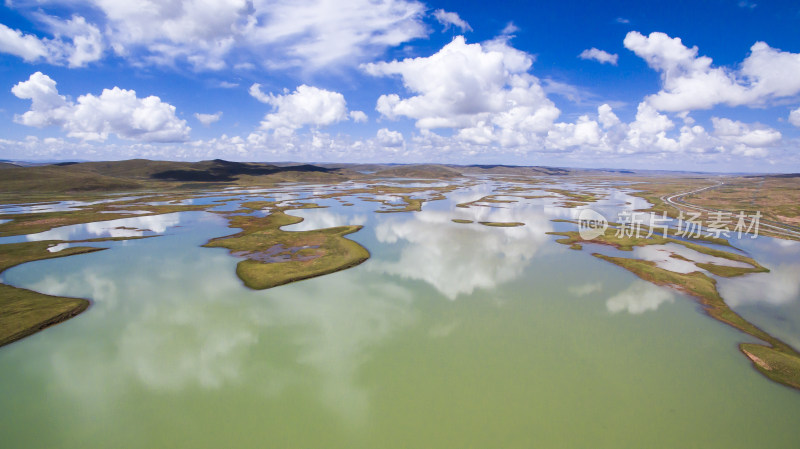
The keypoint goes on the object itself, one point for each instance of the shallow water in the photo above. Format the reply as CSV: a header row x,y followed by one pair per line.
x,y
450,335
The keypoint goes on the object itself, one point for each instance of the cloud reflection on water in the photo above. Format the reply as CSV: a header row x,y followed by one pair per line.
x,y
459,258
780,286
639,297
177,324
122,227
321,219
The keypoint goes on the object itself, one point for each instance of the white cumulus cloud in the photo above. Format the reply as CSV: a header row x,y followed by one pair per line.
x,y
691,82
600,56
75,43
484,90
307,105
213,35
742,133
794,117
389,138
26,46
655,133
584,132
115,111
359,116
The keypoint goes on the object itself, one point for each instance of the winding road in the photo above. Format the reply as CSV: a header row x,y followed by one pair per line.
x,y
676,201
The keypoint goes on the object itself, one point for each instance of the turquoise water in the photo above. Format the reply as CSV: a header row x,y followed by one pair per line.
x,y
449,336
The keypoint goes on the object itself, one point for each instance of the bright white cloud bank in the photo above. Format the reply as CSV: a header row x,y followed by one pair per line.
x,y
469,101
691,82
389,138
307,105
115,111
484,90
215,35
487,95
75,43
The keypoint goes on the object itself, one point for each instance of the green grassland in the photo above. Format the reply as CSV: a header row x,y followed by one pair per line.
x,y
419,172
24,312
44,221
410,205
627,243
502,224
327,249
776,197
574,199
272,256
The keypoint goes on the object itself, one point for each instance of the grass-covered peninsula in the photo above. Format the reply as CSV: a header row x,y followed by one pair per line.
x,y
775,359
24,312
273,257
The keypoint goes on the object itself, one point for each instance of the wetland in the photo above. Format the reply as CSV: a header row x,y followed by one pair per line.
x,y
409,309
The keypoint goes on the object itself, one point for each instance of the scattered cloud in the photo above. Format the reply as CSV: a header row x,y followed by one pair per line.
x,y
26,46
469,101
390,138
307,105
359,116
690,81
566,90
256,92
581,133
747,4
794,117
449,19
509,29
600,56
655,133
482,90
76,43
215,35
743,134
207,119
116,111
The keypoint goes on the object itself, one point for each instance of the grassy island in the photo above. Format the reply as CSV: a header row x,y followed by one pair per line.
x,y
411,205
24,312
274,257
574,199
502,224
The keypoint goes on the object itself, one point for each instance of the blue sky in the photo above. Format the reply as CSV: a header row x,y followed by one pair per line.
x,y
709,86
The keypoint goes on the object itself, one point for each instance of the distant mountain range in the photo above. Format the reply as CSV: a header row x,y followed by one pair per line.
x,y
135,174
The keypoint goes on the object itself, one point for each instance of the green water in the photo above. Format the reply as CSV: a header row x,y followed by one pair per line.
x,y
450,336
